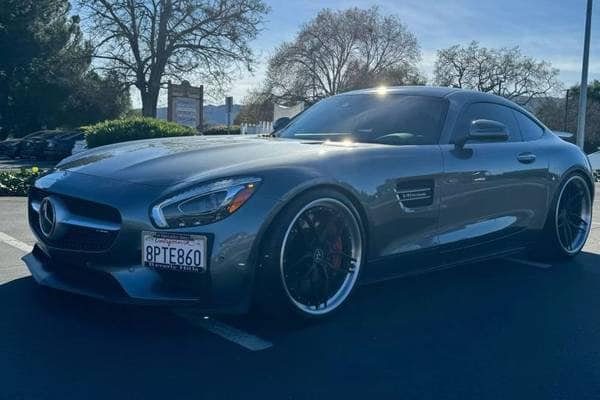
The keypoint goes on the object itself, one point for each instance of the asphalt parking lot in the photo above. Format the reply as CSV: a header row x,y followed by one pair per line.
x,y
502,329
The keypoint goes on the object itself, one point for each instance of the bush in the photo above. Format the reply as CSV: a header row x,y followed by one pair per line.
x,y
222,130
17,183
123,130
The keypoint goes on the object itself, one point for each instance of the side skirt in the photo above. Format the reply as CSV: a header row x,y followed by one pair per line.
x,y
440,267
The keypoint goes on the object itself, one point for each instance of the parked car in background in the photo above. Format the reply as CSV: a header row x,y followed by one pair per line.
x,y
11,147
34,147
566,136
595,160
79,146
61,146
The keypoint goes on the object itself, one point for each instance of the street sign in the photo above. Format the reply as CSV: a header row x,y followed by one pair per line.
x,y
185,104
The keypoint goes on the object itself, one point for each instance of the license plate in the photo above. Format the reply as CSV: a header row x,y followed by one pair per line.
x,y
176,252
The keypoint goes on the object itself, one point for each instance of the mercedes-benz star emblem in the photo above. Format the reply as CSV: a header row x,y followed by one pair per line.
x,y
318,255
47,217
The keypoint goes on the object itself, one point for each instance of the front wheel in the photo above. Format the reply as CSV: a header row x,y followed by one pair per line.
x,y
312,256
569,221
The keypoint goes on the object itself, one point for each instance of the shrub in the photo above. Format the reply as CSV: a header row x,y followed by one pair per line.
x,y
17,183
222,130
123,130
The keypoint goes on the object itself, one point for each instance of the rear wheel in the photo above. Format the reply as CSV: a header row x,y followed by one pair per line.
x,y
569,222
312,257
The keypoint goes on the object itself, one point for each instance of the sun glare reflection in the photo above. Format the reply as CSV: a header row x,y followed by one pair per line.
x,y
381,90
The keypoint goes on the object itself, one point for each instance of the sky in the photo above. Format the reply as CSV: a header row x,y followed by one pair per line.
x,y
550,30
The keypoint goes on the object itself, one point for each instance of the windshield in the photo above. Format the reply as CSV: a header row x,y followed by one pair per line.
x,y
372,118
33,134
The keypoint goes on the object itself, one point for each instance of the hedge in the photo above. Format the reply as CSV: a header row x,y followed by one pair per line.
x,y
17,183
222,130
135,128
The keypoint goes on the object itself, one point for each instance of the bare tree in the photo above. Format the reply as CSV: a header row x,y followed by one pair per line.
x,y
148,41
505,72
256,106
343,50
552,111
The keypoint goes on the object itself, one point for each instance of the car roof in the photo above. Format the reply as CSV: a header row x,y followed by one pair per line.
x,y
464,95
41,133
460,96
67,134
432,91
33,134
47,134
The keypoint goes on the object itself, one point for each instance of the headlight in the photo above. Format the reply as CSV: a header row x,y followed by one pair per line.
x,y
204,204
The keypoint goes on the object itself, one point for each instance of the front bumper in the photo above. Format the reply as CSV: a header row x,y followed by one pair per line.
x,y
107,264
125,285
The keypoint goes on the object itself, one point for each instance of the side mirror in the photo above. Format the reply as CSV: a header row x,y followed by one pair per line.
x,y
484,130
281,123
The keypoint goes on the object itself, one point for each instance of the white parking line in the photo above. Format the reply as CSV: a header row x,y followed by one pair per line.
x,y
529,263
17,244
244,339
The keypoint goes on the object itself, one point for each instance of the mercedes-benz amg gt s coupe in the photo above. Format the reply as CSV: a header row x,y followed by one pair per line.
x,y
362,186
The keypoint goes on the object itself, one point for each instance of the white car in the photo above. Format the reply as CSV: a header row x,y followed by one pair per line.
x,y
595,160
79,146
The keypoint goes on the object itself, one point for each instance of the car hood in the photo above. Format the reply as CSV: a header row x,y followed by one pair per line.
x,y
171,161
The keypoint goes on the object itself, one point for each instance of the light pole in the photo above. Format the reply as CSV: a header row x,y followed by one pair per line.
x,y
584,77
566,110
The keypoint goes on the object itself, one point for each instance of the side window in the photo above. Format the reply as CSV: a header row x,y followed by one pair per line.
x,y
530,130
491,111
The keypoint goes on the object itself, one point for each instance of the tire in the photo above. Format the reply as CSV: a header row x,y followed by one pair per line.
x,y
312,257
563,235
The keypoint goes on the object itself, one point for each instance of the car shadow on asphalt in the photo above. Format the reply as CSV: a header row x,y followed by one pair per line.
x,y
508,327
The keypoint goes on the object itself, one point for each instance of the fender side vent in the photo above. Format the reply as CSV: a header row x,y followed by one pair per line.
x,y
415,193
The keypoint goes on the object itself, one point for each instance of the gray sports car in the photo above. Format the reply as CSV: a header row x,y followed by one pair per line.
x,y
362,186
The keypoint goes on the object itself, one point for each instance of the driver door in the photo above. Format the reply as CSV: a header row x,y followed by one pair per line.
x,y
490,192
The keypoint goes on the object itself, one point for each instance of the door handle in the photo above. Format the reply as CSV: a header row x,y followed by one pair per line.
x,y
526,158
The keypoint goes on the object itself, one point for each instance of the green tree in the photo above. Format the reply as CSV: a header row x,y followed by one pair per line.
x,y
257,106
87,103
44,64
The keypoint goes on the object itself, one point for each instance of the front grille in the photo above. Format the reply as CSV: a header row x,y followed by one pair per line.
x,y
84,235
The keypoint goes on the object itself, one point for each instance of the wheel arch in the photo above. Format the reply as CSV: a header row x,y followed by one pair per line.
x,y
586,176
299,191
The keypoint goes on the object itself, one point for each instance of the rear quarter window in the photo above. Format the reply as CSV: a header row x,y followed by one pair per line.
x,y
530,130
